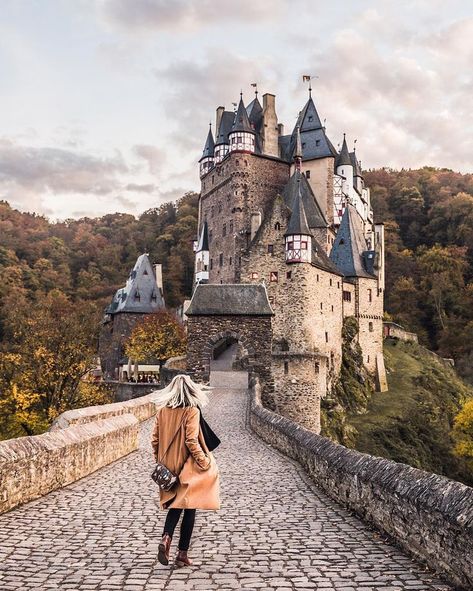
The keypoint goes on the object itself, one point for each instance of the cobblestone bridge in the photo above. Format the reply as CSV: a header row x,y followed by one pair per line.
x,y
275,529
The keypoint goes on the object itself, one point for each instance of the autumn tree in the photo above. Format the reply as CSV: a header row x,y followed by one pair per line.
x,y
463,433
158,336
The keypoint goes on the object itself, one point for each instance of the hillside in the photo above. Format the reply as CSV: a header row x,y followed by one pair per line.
x,y
412,423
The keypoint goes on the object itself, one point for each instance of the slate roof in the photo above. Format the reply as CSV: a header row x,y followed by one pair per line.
x,y
225,127
356,165
343,158
255,114
244,299
315,143
321,260
298,220
313,210
242,122
348,251
140,294
209,146
203,243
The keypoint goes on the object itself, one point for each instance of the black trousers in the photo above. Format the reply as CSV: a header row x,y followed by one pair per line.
x,y
187,526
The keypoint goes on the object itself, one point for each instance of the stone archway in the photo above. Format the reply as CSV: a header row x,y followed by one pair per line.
x,y
239,312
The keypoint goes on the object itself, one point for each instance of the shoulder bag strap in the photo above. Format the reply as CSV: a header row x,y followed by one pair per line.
x,y
174,437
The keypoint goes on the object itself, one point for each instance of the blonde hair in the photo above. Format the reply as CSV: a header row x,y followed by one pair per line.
x,y
182,391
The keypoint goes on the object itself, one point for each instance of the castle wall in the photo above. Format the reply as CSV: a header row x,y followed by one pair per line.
x,y
240,185
113,335
348,299
370,318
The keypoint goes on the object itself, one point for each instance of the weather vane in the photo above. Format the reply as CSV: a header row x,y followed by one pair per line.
x,y
255,86
308,78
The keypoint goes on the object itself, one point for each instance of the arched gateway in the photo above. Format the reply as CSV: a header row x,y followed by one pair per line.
x,y
233,312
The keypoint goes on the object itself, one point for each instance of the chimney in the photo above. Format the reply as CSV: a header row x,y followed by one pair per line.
x,y
218,118
270,126
158,271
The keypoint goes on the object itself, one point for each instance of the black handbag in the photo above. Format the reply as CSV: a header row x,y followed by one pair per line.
x,y
163,477
211,440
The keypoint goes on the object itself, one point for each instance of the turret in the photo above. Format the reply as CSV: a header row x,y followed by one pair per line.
x,y
242,135
298,150
298,236
207,160
344,168
202,256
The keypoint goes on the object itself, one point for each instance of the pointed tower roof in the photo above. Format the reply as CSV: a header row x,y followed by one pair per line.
x,y
209,145
203,243
255,114
242,122
298,220
344,157
141,293
355,164
313,210
350,245
225,127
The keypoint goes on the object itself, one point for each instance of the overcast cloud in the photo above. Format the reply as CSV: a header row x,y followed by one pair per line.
x,y
106,103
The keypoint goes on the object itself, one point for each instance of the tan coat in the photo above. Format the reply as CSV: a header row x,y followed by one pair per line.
x,y
188,457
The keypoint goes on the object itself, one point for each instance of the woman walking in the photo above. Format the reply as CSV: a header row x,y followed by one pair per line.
x,y
178,442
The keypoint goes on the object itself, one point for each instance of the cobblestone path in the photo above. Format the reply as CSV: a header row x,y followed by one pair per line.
x,y
274,531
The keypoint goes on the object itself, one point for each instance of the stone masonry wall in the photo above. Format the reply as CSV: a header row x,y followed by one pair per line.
x,y
31,467
113,335
430,516
252,332
370,318
240,185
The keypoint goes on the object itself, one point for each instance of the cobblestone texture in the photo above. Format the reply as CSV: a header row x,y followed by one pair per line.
x,y
274,531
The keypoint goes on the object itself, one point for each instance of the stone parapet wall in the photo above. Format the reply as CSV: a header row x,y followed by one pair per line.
x,y
142,408
396,331
31,467
430,516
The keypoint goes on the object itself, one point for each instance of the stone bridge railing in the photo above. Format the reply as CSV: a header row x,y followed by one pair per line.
x,y
78,443
430,516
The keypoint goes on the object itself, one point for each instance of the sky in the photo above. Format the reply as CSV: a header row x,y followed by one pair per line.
x,y
105,104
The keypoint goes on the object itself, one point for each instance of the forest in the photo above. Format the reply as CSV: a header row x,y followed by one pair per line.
x,y
56,278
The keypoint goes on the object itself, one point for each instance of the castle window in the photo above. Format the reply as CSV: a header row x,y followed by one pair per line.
x,y
316,367
307,174
368,359
286,367
341,241
330,282
210,235
231,227
224,230
270,249
220,260
213,179
317,142
254,275
303,145
137,296
304,244
277,226
370,295
370,327
332,307
317,276
145,272
219,207
273,277
338,284
321,306
347,296
326,338
288,275
230,261
311,118
153,296
211,263
212,211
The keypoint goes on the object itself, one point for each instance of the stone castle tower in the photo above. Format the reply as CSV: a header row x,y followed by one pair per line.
x,y
292,212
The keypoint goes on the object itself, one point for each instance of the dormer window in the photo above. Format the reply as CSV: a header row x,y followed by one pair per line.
x,y
311,118
137,296
154,297
145,272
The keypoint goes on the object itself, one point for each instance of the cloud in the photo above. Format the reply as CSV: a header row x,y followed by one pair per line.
x,y
147,188
154,157
151,15
43,169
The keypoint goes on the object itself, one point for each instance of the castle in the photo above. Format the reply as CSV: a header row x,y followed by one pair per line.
x,y
291,212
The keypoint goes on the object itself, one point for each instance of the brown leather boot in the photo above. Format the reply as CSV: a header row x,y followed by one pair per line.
x,y
164,546
182,559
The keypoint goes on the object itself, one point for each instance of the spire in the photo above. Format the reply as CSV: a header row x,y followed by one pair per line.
x,y
298,149
209,145
298,221
242,123
344,157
